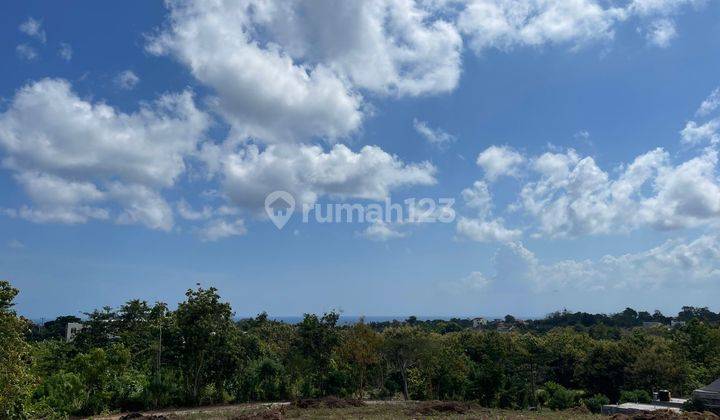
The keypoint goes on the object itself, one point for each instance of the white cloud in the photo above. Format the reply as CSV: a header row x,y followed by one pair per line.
x,y
380,231
482,228
695,262
661,32
473,282
499,161
26,52
694,134
661,7
218,229
32,27
478,198
127,80
308,172
435,136
79,160
505,24
387,47
188,213
301,78
486,230
686,195
65,51
572,196
710,103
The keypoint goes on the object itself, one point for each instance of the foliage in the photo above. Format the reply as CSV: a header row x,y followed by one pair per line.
x,y
557,397
144,356
16,379
635,396
595,403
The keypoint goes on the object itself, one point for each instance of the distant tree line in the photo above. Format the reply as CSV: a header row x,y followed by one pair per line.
x,y
144,356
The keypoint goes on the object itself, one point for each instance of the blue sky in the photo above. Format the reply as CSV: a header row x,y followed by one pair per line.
x,y
578,139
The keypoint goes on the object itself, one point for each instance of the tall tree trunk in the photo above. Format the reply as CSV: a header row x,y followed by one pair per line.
x,y
403,373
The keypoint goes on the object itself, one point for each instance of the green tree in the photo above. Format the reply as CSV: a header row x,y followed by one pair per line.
x,y
208,340
16,379
402,348
361,350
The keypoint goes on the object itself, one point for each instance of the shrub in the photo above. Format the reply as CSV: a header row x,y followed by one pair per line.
x,y
635,396
595,403
558,397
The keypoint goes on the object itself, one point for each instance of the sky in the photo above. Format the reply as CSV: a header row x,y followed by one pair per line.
x,y
574,145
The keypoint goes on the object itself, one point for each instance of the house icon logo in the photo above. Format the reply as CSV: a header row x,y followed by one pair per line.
x,y
279,206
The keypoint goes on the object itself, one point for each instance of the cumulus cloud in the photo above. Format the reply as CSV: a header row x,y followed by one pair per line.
x,y
380,231
474,282
710,103
499,161
572,196
486,230
505,24
218,229
33,28
301,79
661,32
127,80
694,133
435,136
308,172
516,267
481,227
26,52
79,160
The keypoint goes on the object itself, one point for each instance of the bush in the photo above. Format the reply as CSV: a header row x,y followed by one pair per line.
x,y
60,395
694,405
595,403
557,397
635,396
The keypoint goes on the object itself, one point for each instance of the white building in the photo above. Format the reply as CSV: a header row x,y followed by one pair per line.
x,y
478,323
72,329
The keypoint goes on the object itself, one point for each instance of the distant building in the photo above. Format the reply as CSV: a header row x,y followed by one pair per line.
x,y
652,324
675,323
71,331
478,323
709,395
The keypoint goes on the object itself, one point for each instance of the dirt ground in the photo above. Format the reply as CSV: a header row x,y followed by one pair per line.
x,y
334,408
349,409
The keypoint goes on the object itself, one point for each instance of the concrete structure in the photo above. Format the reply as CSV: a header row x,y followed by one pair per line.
x,y
634,408
71,330
478,323
674,405
709,395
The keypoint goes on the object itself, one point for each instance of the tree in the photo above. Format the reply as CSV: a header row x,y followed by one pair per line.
x,y
361,349
312,349
16,380
99,330
207,338
402,348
